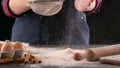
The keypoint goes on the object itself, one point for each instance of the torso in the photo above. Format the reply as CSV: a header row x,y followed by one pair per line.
x,y
66,27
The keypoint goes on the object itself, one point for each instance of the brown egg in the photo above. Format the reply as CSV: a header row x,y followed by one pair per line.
x,y
2,42
7,46
18,46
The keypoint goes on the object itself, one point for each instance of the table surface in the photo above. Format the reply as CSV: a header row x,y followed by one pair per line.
x,y
51,60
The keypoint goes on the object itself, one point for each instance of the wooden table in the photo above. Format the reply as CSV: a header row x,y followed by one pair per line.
x,y
58,62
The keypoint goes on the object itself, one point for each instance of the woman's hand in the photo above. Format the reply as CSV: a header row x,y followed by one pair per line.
x,y
85,5
19,6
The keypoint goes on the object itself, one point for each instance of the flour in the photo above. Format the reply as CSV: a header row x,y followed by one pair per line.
x,y
56,56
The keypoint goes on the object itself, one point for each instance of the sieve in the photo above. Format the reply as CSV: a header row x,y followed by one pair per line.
x,y
46,7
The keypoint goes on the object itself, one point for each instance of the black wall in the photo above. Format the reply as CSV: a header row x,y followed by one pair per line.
x,y
104,25
5,25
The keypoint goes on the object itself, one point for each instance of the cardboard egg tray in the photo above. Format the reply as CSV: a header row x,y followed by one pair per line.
x,y
15,54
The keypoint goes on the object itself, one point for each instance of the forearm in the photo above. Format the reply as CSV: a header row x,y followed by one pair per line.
x,y
18,6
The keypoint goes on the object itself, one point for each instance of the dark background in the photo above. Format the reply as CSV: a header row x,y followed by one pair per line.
x,y
5,25
104,25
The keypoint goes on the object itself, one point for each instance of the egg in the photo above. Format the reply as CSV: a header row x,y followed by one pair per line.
x,y
18,46
19,50
0,46
7,47
2,42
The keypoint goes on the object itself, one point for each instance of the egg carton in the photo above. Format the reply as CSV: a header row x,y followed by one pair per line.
x,y
18,54
14,54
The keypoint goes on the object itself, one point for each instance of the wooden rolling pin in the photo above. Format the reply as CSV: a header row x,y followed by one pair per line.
x,y
96,53
113,60
79,55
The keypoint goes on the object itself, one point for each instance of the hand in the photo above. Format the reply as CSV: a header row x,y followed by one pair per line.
x,y
19,6
84,5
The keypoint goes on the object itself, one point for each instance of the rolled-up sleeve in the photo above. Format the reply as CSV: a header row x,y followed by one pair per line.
x,y
6,9
97,7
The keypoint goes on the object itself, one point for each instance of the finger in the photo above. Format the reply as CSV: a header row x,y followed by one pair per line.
x,y
91,1
89,4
